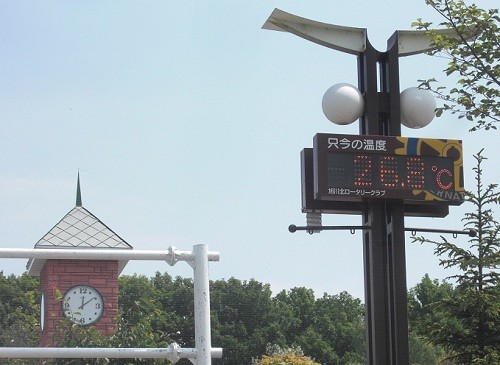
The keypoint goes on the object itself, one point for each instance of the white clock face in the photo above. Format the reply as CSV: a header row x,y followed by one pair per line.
x,y
83,304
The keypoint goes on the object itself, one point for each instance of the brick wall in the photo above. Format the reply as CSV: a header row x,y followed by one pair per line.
x,y
60,275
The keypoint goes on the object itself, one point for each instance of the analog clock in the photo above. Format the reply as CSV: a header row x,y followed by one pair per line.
x,y
83,304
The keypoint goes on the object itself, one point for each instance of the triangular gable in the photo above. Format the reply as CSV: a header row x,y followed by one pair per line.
x,y
81,229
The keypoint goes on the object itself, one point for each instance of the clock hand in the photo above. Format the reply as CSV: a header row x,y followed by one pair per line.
x,y
81,307
87,302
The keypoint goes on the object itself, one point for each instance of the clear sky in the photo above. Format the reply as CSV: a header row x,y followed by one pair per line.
x,y
186,120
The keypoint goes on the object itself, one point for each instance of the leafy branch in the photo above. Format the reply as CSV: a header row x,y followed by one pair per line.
x,y
473,55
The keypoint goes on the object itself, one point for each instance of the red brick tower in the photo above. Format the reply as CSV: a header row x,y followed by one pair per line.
x,y
85,291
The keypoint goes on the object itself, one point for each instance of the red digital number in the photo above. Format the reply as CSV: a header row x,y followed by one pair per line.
x,y
415,173
389,177
362,171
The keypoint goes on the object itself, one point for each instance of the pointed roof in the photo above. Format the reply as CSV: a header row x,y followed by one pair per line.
x,y
80,229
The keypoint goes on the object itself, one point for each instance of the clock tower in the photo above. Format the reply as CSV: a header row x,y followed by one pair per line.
x,y
85,291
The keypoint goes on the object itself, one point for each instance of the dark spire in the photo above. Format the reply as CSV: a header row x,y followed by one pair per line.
x,y
78,192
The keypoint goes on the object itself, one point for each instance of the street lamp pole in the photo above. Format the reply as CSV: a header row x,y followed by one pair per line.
x,y
383,245
384,241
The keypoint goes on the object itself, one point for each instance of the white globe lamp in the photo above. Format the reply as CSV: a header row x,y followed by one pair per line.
x,y
342,104
418,107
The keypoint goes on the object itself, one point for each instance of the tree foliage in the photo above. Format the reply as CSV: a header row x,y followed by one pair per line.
x,y
423,313
465,320
472,53
19,313
19,309
246,317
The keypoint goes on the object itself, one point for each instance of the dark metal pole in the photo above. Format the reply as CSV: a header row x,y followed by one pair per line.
x,y
384,243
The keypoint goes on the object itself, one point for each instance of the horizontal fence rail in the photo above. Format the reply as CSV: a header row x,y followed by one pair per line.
x,y
173,353
171,256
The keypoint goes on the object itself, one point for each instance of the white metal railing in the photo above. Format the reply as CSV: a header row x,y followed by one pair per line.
x,y
171,256
198,259
172,353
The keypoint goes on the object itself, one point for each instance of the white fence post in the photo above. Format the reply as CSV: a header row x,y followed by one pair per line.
x,y
203,341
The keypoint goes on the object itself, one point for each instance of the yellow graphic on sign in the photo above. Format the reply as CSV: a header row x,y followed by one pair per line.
x,y
437,148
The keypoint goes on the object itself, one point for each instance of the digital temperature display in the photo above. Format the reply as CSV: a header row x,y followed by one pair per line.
x,y
382,173
364,167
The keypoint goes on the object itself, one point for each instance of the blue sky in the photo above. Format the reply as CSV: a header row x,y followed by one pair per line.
x,y
185,120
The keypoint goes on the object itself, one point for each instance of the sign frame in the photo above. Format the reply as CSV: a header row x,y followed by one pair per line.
x,y
310,205
439,165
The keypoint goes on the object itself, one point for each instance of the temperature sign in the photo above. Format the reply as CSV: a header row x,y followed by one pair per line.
x,y
348,167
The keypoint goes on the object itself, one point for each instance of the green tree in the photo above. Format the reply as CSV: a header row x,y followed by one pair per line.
x,y
175,300
299,310
157,311
139,309
19,310
329,329
470,329
19,314
472,53
242,317
423,313
340,322
70,334
422,352
422,299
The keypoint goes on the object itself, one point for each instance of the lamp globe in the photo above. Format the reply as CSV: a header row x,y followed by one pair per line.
x,y
418,107
342,104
